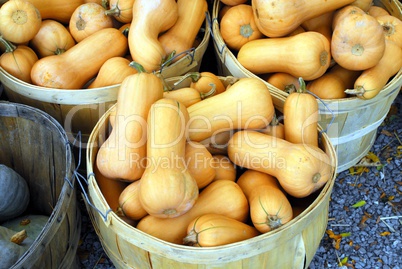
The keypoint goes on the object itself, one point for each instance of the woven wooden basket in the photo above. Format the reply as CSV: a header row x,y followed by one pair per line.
x,y
350,123
128,247
79,110
36,146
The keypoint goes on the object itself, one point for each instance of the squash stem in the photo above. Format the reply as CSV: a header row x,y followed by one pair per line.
x,y
195,76
137,66
112,12
191,239
210,92
302,88
10,47
316,177
359,91
19,237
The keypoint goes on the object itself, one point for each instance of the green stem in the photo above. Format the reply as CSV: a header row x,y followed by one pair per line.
x,y
137,66
302,88
195,76
210,92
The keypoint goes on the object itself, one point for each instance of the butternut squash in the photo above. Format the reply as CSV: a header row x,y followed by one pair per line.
x,y
199,162
150,18
246,104
167,189
300,115
392,27
269,206
237,26
372,81
333,83
123,154
224,168
129,204
358,41
301,169
52,38
113,72
284,81
87,19
181,36
211,230
221,197
377,11
277,19
60,11
18,60
217,143
20,20
65,71
121,10
304,55
321,24
187,95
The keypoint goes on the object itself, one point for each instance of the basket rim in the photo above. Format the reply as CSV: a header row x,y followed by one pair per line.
x,y
351,102
102,94
189,254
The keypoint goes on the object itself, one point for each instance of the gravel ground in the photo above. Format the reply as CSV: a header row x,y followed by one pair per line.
x,y
371,233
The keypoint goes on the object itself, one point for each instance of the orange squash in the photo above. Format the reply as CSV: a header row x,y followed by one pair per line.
x,y
392,27
167,188
20,20
301,169
60,11
52,38
274,128
363,4
321,24
252,179
75,67
269,206
204,82
211,230
87,19
277,19
357,42
377,11
150,18
129,204
187,95
282,54
113,72
221,197
121,10
283,81
233,2
300,114
332,85
111,189
18,60
371,81
237,26
217,144
199,162
246,104
122,155
181,36
343,12
224,168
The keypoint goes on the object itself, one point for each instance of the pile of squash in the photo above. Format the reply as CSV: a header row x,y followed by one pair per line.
x,y
210,168
18,228
341,48
91,43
